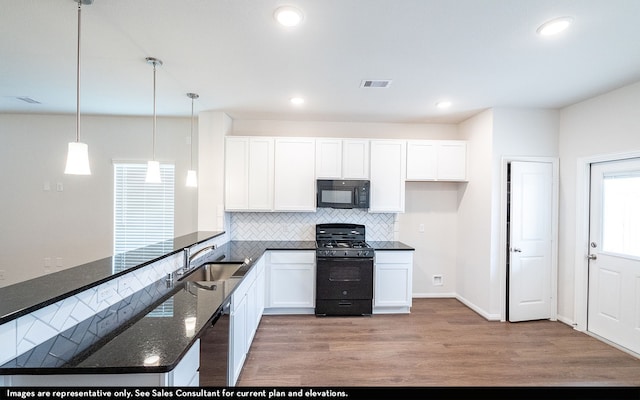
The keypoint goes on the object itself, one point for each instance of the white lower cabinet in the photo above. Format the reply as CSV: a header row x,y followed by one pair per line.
x,y
290,282
393,275
244,308
184,374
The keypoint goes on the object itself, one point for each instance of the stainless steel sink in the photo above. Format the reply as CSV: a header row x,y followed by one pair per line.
x,y
212,272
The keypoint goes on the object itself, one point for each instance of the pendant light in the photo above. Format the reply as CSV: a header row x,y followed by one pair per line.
x,y
153,166
192,177
78,152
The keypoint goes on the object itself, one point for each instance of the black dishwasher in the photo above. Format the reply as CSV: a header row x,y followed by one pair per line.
x,y
214,350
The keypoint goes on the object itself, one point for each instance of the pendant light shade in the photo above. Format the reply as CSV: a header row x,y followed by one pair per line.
x,y
78,159
78,152
192,178
153,166
153,172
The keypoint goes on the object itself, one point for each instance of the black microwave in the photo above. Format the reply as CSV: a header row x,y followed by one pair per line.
x,y
341,193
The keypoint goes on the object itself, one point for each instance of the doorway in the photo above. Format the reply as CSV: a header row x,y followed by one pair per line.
x,y
529,238
613,255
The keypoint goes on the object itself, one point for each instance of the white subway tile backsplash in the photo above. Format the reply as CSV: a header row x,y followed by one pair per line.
x,y
301,226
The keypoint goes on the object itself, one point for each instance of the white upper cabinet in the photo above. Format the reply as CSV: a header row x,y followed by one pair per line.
x,y
328,158
295,185
441,160
342,158
388,173
249,173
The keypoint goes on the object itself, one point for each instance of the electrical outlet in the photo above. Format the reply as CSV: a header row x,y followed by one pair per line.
x,y
437,280
421,228
59,262
59,187
47,262
2,274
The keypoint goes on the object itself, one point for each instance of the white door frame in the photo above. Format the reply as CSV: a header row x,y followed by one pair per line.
x,y
503,233
581,264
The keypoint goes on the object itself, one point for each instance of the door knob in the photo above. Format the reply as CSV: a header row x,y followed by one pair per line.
x,y
592,257
516,250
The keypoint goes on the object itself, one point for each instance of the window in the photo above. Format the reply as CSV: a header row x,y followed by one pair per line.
x,y
143,215
621,214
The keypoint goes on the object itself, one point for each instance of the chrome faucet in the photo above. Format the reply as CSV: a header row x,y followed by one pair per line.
x,y
189,257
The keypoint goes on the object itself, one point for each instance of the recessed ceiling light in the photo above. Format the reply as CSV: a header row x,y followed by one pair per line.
x,y
554,26
297,101
444,104
288,16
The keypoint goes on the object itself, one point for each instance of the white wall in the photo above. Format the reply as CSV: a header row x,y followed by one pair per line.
x,y
516,133
435,206
76,224
493,135
605,125
474,215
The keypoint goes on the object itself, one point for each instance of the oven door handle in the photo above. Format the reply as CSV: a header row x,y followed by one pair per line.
x,y
345,259
344,280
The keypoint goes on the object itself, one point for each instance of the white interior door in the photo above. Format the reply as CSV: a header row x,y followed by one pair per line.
x,y
530,240
614,253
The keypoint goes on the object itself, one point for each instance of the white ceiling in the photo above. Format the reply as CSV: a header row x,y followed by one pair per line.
x,y
476,53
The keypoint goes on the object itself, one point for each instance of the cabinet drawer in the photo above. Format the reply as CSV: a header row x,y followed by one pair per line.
x,y
293,257
394,257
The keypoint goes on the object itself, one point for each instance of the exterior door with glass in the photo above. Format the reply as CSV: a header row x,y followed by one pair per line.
x,y
614,253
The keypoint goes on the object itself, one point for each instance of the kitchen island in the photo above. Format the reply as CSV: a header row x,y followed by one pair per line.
x,y
146,334
145,338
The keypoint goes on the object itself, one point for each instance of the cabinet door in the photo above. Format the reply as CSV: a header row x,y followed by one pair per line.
x,y
291,280
452,160
431,160
393,277
328,158
237,335
387,175
236,174
186,372
422,160
260,184
295,175
260,289
355,159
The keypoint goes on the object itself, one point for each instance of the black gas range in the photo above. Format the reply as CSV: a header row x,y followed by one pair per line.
x,y
342,240
344,270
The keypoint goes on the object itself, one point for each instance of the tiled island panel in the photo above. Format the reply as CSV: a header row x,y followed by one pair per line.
x,y
25,333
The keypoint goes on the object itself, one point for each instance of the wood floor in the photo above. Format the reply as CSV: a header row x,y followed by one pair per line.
x,y
441,343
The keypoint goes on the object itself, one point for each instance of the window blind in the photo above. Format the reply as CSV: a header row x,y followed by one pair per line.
x,y
143,214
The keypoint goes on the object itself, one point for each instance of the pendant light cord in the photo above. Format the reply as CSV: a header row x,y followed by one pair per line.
x,y
154,112
191,140
78,78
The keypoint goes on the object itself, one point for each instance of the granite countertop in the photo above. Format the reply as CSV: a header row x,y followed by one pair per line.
x,y
152,322
389,245
22,298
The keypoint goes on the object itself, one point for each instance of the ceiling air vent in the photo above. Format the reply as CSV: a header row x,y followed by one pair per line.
x,y
377,83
